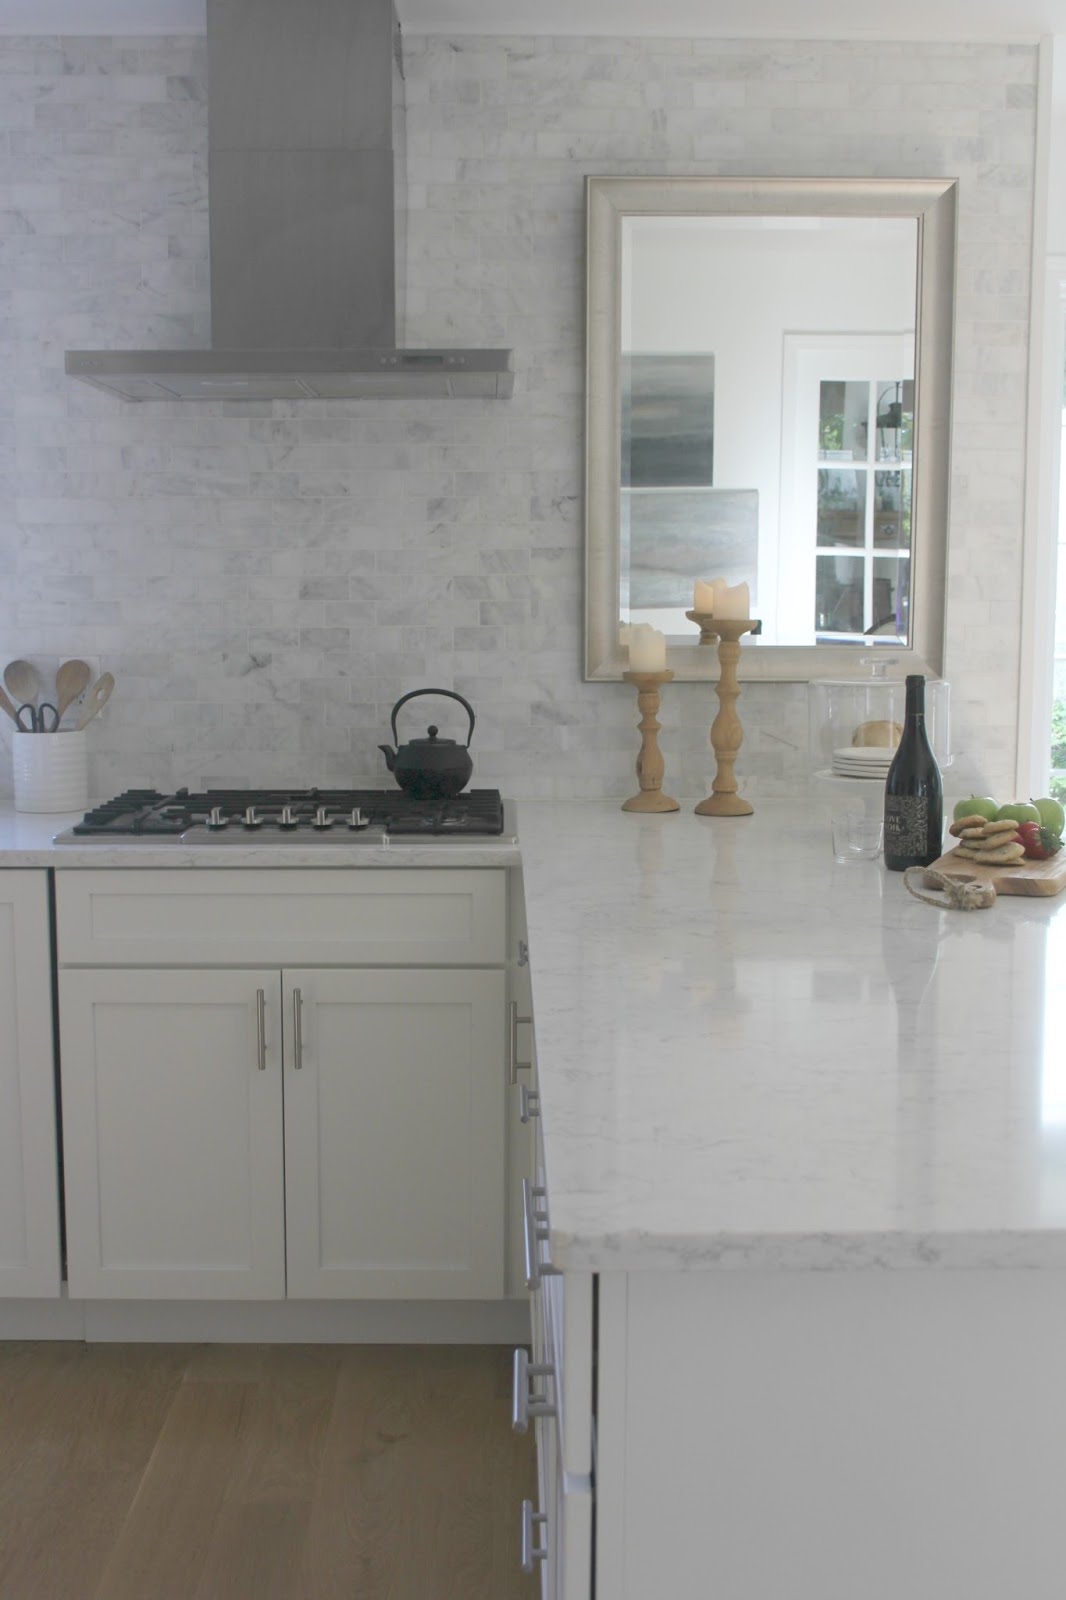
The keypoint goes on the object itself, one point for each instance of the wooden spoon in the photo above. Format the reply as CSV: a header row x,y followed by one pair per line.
x,y
5,705
71,679
97,699
24,682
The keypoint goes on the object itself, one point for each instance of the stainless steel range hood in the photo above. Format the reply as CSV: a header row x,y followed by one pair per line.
x,y
305,169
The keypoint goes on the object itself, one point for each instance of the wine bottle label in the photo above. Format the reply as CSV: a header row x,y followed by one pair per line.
x,y
907,825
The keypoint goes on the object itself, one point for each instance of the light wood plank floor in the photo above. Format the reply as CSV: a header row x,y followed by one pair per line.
x,y
236,1472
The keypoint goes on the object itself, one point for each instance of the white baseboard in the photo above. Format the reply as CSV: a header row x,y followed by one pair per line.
x,y
41,1319
268,1322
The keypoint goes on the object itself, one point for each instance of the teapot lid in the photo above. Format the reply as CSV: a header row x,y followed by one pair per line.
x,y
432,738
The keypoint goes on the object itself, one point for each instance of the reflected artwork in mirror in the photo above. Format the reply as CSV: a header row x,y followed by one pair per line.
x,y
768,403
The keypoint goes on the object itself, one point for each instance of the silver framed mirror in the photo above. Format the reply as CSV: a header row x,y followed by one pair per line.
x,y
768,400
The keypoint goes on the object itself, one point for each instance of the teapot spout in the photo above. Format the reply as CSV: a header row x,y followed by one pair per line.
x,y
390,756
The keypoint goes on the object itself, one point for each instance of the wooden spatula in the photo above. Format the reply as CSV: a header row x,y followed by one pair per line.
x,y
95,701
71,679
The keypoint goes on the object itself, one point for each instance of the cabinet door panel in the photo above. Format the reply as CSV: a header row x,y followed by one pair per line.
x,y
394,1134
29,1209
172,1134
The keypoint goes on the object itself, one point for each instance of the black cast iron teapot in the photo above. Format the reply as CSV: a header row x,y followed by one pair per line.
x,y
430,768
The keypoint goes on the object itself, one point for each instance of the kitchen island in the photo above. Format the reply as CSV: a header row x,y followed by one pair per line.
x,y
809,1136
798,1243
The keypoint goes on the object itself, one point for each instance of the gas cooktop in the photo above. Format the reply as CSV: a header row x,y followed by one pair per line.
x,y
237,816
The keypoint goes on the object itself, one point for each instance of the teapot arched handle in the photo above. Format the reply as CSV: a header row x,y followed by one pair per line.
x,y
449,693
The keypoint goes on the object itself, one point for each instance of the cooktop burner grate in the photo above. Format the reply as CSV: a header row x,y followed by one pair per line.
x,y
149,814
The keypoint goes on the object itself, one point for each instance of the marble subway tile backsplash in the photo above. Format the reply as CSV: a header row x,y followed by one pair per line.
x,y
265,580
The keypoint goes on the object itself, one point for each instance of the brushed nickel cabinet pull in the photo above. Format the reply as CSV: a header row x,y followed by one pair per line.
x,y
514,1066
535,1233
525,1403
260,1028
297,1029
528,1103
531,1521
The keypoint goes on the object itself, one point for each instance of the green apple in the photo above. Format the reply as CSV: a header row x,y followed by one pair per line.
x,y
978,805
1052,814
1017,811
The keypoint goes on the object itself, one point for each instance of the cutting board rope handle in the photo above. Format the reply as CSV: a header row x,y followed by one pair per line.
x,y
962,894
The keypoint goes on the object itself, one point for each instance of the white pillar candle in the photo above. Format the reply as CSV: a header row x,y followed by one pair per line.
x,y
735,602
647,649
704,601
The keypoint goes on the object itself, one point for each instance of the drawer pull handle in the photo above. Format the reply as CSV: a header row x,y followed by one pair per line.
x,y
531,1522
535,1233
524,1402
260,1029
528,1103
298,1029
514,1066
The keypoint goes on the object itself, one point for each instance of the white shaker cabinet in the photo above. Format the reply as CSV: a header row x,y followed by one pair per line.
x,y
263,1099
394,1134
172,1133
29,1207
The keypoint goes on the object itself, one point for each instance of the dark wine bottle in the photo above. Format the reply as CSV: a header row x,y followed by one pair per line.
x,y
914,793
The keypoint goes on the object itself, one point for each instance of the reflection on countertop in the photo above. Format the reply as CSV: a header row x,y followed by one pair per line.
x,y
750,1056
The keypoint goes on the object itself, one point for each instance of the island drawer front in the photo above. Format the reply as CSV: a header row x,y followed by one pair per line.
x,y
362,916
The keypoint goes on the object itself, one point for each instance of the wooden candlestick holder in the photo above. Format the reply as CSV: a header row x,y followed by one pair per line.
x,y
650,763
727,735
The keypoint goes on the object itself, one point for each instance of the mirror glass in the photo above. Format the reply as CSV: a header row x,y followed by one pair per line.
x,y
766,421
753,416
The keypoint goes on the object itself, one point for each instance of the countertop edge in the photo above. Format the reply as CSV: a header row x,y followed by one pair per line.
x,y
26,840
824,1252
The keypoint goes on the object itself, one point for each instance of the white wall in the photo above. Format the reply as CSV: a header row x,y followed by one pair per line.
x,y
265,580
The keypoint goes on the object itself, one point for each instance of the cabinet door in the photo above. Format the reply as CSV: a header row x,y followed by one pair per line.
x,y
394,1134
172,1132
29,1208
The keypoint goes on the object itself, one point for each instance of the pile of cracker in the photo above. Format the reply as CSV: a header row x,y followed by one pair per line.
x,y
995,843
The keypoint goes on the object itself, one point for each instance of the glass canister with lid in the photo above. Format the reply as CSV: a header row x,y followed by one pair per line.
x,y
855,723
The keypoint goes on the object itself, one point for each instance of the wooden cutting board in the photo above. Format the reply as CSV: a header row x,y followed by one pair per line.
x,y
1032,877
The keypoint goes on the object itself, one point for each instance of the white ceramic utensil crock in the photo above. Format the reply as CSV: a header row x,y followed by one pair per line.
x,y
50,771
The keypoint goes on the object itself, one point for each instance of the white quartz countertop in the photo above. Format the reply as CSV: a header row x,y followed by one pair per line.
x,y
752,1057
749,1056
27,840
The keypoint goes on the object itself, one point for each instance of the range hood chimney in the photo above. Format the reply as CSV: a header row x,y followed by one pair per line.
x,y
305,101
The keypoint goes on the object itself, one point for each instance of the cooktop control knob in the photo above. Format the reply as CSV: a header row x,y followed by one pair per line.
x,y
217,818
322,818
288,818
251,818
357,820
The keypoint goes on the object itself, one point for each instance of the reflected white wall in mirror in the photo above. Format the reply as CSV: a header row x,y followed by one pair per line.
x,y
769,402
767,366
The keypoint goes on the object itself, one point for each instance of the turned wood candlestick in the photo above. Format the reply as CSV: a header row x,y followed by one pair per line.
x,y
650,763
727,735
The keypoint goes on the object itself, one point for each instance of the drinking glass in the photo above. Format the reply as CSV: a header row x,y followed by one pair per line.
x,y
856,837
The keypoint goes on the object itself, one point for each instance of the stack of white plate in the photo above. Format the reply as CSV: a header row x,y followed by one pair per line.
x,y
862,761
